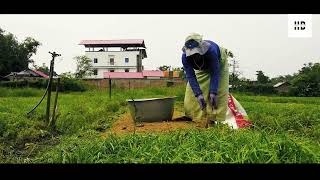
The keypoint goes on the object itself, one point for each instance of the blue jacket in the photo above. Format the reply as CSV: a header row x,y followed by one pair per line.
x,y
211,63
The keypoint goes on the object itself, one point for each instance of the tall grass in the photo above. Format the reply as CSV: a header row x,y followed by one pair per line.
x,y
277,99
286,130
193,146
20,92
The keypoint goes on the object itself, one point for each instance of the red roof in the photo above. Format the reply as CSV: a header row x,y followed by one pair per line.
x,y
40,73
151,73
133,75
123,75
112,42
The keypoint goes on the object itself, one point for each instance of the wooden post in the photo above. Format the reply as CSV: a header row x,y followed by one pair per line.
x,y
52,123
49,90
129,84
110,87
54,54
170,75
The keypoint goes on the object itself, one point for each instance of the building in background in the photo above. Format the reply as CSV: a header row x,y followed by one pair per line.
x,y
123,55
27,74
282,87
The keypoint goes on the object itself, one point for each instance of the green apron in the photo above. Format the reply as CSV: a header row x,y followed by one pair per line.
x,y
191,105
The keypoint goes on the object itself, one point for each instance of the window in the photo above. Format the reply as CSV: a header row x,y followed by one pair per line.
x,y
126,60
95,72
111,61
126,70
95,60
111,70
139,64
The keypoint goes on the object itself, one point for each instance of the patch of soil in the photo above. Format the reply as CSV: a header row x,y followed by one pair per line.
x,y
125,125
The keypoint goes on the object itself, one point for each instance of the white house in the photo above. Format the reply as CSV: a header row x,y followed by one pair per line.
x,y
123,55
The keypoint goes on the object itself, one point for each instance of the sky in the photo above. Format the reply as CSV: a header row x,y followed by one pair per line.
x,y
259,42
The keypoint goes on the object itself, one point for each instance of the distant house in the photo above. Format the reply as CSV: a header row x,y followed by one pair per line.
x,y
282,86
121,55
28,74
253,82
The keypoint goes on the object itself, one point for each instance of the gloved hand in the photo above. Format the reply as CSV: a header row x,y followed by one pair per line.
x,y
201,101
213,100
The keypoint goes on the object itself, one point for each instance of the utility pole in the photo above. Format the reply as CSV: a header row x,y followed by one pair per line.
x,y
235,66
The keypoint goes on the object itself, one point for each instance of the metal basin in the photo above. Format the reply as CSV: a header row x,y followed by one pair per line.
x,y
152,110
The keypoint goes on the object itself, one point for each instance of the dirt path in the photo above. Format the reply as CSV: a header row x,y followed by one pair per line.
x,y
125,125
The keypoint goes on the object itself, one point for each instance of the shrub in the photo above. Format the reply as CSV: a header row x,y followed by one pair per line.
x,y
66,84
261,89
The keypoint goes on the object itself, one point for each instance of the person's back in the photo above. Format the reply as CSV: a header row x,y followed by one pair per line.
x,y
214,48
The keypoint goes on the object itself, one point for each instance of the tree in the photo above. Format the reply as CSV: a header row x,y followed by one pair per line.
x,y
234,78
15,56
177,69
307,81
84,66
67,75
43,68
181,72
164,68
286,78
261,78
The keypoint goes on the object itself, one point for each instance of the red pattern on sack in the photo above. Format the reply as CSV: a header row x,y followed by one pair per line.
x,y
240,120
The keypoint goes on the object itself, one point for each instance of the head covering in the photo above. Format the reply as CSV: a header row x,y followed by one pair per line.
x,y
194,44
194,36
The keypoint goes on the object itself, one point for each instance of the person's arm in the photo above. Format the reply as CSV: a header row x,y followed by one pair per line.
x,y
190,75
214,72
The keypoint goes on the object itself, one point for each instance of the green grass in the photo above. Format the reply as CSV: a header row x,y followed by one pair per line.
x,y
20,92
211,146
286,130
277,99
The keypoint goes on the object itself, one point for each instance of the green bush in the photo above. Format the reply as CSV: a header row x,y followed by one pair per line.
x,y
14,84
71,85
307,82
261,89
66,84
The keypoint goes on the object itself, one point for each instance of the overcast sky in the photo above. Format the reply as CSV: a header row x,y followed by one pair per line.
x,y
259,42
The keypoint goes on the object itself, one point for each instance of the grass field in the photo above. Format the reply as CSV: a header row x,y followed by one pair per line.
x,y
286,130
